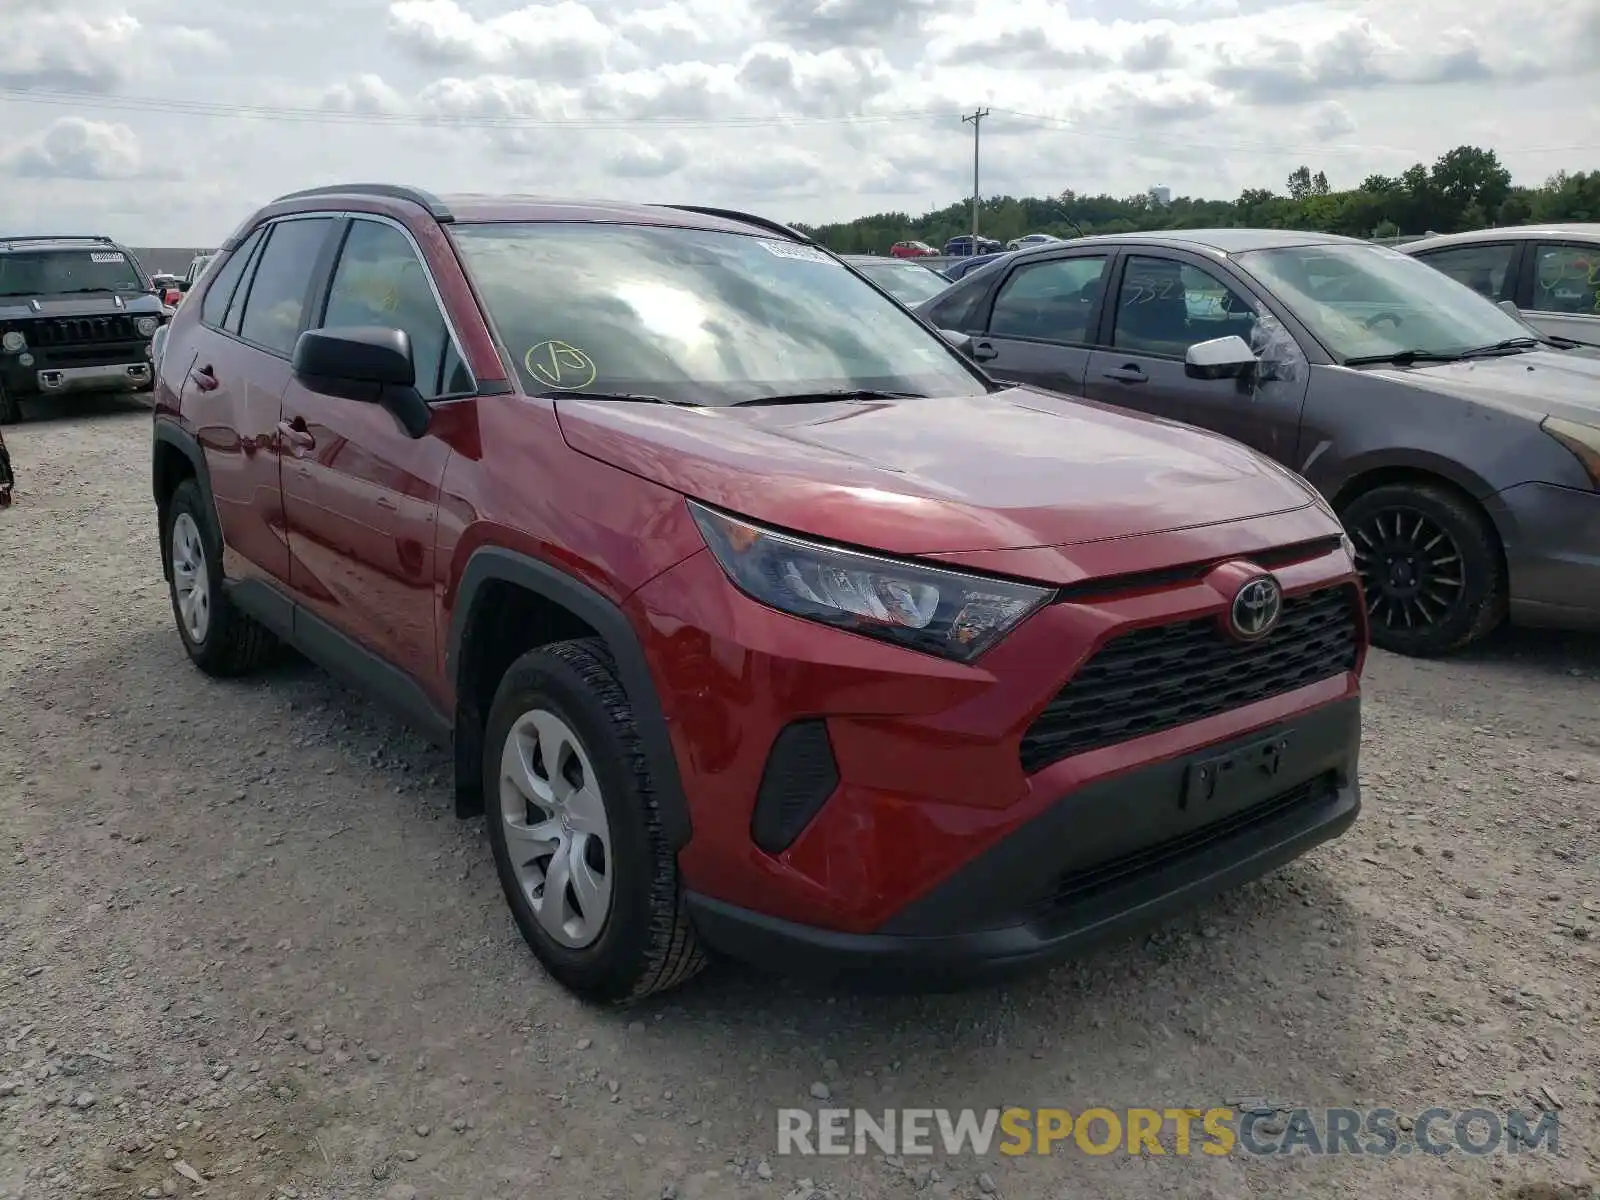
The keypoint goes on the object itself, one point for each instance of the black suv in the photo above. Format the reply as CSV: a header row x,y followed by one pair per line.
x,y
76,314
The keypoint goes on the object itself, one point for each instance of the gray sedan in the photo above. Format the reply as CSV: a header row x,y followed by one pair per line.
x,y
1549,272
1460,447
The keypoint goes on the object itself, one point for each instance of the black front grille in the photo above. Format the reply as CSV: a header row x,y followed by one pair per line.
x,y
1169,675
1084,883
51,332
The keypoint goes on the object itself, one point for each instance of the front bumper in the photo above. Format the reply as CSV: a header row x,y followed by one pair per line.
x,y
918,767
88,368
1552,542
1106,860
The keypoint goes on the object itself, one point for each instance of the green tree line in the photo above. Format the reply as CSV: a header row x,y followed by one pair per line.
x,y
1467,188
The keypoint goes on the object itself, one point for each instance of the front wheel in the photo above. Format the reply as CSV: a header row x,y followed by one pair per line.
x,y
576,830
219,639
1430,565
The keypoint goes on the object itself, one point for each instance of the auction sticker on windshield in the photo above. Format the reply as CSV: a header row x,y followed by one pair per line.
x,y
106,256
796,252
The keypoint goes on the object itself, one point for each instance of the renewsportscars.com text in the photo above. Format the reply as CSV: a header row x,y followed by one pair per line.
x,y
1164,1131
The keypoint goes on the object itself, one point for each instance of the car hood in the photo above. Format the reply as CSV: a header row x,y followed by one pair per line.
x,y
1538,383
1014,469
85,304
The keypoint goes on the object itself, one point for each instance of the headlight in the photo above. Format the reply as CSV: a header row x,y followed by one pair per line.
x,y
14,342
146,325
1582,440
941,612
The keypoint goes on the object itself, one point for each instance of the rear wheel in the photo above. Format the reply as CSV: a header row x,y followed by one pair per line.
x,y
576,830
1430,565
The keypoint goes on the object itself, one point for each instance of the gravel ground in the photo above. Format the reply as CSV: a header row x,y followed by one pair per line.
x,y
246,950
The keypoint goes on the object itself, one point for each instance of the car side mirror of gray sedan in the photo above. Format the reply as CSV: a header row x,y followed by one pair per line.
x,y
1511,308
956,338
1220,358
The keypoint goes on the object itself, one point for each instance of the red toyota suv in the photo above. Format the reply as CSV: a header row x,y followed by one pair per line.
x,y
759,619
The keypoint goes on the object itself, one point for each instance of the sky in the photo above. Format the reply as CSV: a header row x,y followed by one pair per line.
x,y
166,122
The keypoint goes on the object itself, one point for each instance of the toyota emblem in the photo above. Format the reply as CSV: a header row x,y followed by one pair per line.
x,y
1256,608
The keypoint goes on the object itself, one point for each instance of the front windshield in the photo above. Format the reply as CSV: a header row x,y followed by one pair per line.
x,y
36,273
1370,302
906,282
696,317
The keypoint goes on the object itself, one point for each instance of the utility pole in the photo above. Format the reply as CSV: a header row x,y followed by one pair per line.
x,y
976,117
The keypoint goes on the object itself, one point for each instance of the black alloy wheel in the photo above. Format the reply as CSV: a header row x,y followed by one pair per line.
x,y
1429,565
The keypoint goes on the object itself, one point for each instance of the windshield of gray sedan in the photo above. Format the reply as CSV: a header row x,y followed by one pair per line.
x,y
695,316
1370,302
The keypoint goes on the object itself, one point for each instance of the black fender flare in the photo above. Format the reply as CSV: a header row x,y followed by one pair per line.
x,y
168,434
490,564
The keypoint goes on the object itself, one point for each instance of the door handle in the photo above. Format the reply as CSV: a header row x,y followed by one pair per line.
x,y
205,378
297,435
984,351
1128,374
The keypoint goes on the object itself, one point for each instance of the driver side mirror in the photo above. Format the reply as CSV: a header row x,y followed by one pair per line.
x,y
184,285
368,364
1509,307
1220,358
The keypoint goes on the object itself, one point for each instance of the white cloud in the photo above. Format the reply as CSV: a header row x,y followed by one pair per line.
x,y
804,109
89,51
73,148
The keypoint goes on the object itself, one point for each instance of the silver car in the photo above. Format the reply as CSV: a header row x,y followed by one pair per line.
x,y
1550,273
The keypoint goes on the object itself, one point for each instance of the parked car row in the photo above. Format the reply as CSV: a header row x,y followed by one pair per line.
x,y
960,246
927,638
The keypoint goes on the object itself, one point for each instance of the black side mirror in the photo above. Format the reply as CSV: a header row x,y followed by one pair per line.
x,y
184,285
370,364
1220,358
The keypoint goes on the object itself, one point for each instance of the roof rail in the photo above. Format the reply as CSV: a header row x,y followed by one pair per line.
x,y
392,191
733,214
58,237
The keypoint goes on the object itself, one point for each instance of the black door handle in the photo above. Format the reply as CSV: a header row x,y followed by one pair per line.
x,y
984,351
1128,374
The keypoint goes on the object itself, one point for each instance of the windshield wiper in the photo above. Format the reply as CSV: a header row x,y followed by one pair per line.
x,y
638,397
1402,358
824,397
1524,342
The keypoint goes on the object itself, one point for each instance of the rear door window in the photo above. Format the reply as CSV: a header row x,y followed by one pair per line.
x,y
1051,301
1566,279
274,311
1486,269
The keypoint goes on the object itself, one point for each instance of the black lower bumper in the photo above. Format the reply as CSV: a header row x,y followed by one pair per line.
x,y
1104,861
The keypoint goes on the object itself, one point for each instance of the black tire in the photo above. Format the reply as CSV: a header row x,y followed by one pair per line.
x,y
646,943
1428,611
10,407
233,644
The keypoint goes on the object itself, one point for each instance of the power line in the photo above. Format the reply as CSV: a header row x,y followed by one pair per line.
x,y
207,108
976,117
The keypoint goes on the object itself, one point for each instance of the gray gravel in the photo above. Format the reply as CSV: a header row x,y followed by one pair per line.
x,y
246,950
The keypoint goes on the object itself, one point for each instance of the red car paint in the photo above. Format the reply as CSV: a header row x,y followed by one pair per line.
x,y
912,250
333,506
